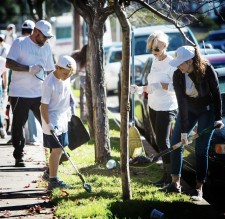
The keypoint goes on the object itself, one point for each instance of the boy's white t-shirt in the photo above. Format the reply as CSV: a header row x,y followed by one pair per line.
x,y
56,93
160,99
26,52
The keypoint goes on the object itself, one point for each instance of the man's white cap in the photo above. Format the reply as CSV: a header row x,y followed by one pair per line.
x,y
182,54
67,62
28,24
45,27
11,26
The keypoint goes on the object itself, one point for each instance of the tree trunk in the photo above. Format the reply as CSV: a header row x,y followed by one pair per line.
x,y
95,15
124,105
100,115
89,96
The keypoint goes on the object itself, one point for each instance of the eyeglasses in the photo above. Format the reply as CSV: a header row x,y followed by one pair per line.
x,y
154,50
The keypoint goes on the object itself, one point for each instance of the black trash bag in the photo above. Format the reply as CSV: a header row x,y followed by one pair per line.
x,y
140,160
77,133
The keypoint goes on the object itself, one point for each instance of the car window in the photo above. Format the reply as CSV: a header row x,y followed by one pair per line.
x,y
115,56
222,85
216,37
175,41
218,64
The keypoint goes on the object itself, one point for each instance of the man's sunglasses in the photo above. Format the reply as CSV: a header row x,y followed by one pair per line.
x,y
154,50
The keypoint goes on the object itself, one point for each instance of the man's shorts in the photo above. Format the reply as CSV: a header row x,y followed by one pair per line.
x,y
50,142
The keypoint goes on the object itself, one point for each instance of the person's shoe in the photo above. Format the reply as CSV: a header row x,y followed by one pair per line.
x,y
171,188
45,176
56,183
3,133
20,163
197,195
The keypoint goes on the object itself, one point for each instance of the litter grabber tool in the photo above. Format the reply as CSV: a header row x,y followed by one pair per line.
x,y
135,142
142,161
86,186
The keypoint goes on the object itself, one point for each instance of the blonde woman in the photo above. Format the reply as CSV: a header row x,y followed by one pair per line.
x,y
161,97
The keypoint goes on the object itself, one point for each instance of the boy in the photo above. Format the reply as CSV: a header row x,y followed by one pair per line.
x,y
55,111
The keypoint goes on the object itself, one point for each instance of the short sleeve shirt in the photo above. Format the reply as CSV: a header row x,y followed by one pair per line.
x,y
26,52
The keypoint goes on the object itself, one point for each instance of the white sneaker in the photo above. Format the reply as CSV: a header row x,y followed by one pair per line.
x,y
3,133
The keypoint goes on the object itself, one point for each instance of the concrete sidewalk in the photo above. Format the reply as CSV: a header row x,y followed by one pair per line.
x,y
22,192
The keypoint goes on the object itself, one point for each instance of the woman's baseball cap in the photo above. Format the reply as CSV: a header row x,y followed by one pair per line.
x,y
67,62
28,24
45,27
182,54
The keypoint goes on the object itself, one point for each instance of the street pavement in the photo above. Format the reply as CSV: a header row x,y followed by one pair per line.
x,y
22,192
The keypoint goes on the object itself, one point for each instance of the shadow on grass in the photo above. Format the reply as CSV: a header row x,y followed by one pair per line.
x,y
135,209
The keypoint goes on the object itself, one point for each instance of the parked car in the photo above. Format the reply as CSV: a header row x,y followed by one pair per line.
x,y
217,149
215,39
112,68
106,48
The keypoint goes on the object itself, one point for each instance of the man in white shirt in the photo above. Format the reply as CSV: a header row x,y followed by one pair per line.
x,y
29,58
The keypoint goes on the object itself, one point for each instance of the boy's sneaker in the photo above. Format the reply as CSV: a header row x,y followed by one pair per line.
x,y
45,175
171,188
197,195
3,133
56,183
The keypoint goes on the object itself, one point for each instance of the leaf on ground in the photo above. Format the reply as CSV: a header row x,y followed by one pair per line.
x,y
35,209
27,186
64,193
7,213
45,197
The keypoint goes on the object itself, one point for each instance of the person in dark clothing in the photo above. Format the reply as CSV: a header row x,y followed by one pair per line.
x,y
199,102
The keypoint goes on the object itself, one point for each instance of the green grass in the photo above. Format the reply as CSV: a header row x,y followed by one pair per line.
x,y
105,200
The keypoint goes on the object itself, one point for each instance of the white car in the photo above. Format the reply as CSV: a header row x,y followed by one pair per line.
x,y
112,68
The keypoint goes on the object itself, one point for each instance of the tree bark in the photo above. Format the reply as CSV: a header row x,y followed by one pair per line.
x,y
100,115
125,103
95,15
